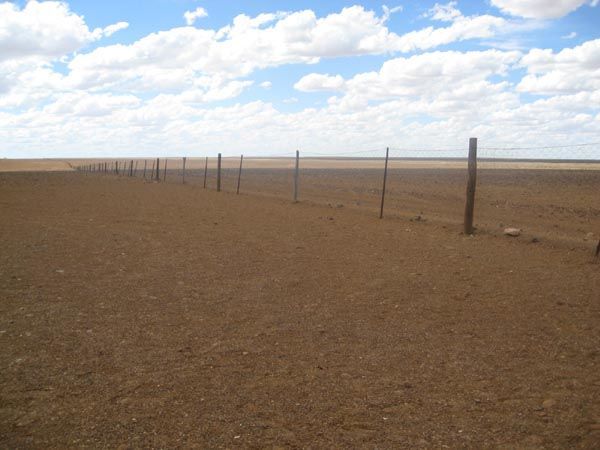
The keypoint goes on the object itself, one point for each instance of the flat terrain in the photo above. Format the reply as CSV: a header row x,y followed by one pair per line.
x,y
34,165
139,314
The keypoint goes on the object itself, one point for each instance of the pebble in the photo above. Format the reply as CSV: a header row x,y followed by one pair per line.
x,y
514,232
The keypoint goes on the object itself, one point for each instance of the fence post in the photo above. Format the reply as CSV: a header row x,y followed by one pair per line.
x,y
165,171
471,185
296,174
205,171
135,168
239,175
145,165
157,169
387,156
219,173
183,176
131,168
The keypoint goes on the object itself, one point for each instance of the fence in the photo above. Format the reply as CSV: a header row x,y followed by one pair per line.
x,y
546,191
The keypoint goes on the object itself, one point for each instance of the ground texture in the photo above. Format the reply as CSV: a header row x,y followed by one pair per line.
x,y
162,315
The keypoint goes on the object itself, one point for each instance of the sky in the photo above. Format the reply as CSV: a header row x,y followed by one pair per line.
x,y
110,78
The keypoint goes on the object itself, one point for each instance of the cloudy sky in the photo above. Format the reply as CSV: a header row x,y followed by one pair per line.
x,y
195,77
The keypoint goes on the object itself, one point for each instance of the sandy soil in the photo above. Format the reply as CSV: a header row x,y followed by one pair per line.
x,y
34,165
29,165
139,314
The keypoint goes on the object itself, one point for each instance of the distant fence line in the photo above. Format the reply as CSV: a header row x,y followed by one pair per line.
x,y
130,167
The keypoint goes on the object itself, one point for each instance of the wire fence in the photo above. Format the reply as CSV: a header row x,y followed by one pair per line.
x,y
545,191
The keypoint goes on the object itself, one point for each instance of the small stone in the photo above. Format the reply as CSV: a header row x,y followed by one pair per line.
x,y
339,205
514,232
588,237
549,403
535,240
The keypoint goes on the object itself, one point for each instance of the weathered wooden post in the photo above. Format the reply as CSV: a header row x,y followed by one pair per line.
x,y
471,185
135,168
205,171
296,175
131,168
387,156
219,173
145,165
183,176
157,169
239,175
165,171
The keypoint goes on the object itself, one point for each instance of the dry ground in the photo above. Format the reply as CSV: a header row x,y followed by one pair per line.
x,y
159,315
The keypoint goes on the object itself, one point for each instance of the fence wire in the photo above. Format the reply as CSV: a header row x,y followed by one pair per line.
x,y
422,184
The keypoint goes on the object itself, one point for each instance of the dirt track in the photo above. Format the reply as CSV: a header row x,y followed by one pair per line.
x,y
143,314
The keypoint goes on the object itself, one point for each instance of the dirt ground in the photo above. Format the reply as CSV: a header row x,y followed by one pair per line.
x,y
138,314
34,165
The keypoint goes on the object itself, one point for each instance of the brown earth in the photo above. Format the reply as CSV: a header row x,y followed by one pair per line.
x,y
137,314
34,165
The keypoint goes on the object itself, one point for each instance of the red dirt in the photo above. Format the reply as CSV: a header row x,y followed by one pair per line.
x,y
139,314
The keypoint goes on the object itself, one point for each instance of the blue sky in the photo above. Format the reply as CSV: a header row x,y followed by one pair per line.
x,y
109,78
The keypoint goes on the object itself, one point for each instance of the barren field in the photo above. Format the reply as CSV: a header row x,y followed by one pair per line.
x,y
140,314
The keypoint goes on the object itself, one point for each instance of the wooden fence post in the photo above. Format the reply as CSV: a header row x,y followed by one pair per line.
x,y
205,171
131,168
135,168
387,156
183,176
471,185
219,173
165,171
239,175
296,175
157,169
145,165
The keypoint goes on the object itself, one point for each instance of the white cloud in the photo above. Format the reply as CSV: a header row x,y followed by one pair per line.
x,y
570,70
111,29
44,31
174,57
540,9
318,82
155,93
426,75
444,13
571,35
191,16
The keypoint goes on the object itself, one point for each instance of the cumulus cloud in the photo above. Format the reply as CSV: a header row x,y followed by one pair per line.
x,y
540,9
191,16
155,93
319,82
44,30
567,71
425,75
444,13
175,56
110,30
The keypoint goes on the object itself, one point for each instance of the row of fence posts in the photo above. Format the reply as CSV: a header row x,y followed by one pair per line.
x,y
121,169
